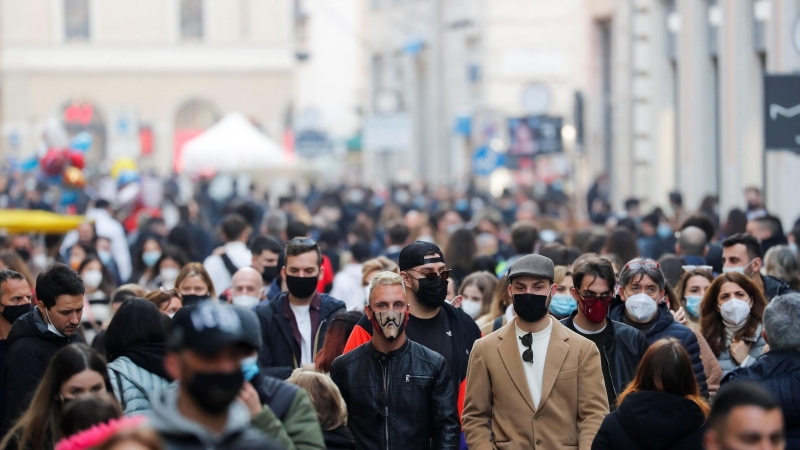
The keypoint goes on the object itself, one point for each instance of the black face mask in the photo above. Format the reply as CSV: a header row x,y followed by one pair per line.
x,y
23,253
12,313
530,307
431,294
301,287
215,391
270,273
192,299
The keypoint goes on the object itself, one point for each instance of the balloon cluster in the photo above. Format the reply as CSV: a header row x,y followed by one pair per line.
x,y
68,163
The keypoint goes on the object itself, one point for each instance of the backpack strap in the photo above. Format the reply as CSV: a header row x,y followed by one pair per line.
x,y
229,264
498,323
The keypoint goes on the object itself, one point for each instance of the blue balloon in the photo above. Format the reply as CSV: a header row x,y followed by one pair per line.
x,y
28,165
128,176
69,197
81,141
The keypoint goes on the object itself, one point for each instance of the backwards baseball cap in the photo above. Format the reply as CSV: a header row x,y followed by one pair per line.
x,y
533,266
413,255
209,327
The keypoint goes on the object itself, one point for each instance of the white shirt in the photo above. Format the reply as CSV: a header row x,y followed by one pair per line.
x,y
347,287
303,318
535,371
240,257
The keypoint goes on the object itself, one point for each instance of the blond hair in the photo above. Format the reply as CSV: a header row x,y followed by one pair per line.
x,y
381,263
325,396
385,278
195,269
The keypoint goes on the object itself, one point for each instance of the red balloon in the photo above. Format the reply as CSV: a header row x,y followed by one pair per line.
x,y
54,162
76,159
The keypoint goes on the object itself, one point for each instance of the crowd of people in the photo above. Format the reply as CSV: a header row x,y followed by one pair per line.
x,y
407,319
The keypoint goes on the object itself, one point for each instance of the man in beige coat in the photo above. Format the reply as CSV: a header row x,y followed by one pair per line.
x,y
533,384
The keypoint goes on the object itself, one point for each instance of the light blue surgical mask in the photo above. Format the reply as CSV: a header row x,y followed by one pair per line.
x,y
740,270
664,231
693,305
563,305
150,258
250,367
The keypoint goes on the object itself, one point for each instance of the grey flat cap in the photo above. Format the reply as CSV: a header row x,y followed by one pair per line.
x,y
534,266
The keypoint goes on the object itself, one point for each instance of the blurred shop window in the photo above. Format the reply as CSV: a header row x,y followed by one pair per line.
x,y
192,19
76,20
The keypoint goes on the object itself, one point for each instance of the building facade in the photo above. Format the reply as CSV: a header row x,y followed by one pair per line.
x,y
142,76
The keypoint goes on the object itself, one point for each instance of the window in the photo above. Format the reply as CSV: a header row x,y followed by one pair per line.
x,y
76,20
191,19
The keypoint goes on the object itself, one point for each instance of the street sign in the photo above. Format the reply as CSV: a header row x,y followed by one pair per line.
x,y
782,112
485,161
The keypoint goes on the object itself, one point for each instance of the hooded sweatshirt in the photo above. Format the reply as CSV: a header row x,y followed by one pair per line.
x,y
180,433
31,346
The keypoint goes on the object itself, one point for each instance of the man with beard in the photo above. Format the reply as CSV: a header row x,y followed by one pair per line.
x,y
437,325
399,394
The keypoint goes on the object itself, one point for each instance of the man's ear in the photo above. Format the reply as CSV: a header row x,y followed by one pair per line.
x,y
758,263
172,365
283,272
368,312
406,279
575,294
321,272
553,289
764,335
622,294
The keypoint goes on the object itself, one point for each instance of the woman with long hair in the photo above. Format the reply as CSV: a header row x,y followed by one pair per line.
x,y
562,305
335,339
74,370
165,271
730,319
136,344
330,407
477,292
689,293
145,258
661,408
168,301
99,284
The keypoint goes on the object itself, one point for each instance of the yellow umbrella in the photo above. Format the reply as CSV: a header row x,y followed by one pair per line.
x,y
30,221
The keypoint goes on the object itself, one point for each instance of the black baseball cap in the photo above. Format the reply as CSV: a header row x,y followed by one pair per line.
x,y
209,327
413,255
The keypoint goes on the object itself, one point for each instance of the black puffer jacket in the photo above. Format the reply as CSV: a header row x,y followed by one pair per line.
x,y
653,421
31,348
665,327
280,350
420,398
774,287
778,371
623,351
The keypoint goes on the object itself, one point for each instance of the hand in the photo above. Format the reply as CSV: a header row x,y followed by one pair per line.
x,y
249,396
679,315
739,351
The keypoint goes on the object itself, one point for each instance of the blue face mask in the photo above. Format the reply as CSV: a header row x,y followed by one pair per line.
x,y
250,367
664,231
693,305
563,305
150,258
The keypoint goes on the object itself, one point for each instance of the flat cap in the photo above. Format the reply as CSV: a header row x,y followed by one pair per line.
x,y
533,266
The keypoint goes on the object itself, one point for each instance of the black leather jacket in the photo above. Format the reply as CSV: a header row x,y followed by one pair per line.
x,y
420,400
624,348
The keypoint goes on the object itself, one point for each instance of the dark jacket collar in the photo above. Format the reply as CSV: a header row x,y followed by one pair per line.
x,y
391,355
569,322
32,324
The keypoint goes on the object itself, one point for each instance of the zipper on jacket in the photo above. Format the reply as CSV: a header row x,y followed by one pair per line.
x,y
613,388
386,405
316,348
421,377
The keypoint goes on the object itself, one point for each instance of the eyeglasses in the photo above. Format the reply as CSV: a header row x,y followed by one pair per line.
x,y
380,413
432,276
527,341
691,268
302,241
646,264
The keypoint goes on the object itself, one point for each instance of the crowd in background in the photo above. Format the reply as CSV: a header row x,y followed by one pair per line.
x,y
118,300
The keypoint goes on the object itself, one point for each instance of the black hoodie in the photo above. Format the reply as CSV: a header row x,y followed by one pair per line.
x,y
31,346
654,421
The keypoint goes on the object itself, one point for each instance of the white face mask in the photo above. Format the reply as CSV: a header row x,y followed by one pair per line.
x,y
50,327
472,308
641,307
247,301
169,274
92,278
738,269
735,312
170,315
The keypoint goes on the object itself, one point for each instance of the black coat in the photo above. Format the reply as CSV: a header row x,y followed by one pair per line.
x,y
665,327
339,439
624,349
31,348
778,371
653,421
280,351
774,287
419,404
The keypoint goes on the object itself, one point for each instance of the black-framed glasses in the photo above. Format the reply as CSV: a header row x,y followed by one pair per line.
x,y
527,341
444,274
380,413
302,241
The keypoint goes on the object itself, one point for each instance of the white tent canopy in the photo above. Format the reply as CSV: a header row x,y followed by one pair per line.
x,y
233,145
